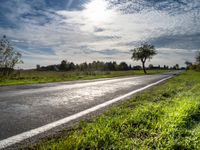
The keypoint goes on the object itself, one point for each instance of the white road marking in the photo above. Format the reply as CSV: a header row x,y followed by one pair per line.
x,y
28,134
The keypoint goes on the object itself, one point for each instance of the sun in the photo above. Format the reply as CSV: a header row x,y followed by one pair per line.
x,y
96,11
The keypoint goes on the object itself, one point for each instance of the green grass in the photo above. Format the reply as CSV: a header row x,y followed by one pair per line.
x,y
31,76
165,117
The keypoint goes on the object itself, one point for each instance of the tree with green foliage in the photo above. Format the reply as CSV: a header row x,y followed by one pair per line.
x,y
176,66
123,66
8,57
196,65
142,53
93,66
188,64
63,65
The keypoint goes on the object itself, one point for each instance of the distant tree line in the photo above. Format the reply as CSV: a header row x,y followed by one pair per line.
x,y
94,66
100,66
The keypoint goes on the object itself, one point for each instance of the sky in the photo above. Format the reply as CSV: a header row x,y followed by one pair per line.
x,y
48,31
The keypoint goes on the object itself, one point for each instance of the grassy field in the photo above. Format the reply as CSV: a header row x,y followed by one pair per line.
x,y
31,76
165,117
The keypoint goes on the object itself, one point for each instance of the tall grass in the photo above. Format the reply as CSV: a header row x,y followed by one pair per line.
x,y
165,117
32,76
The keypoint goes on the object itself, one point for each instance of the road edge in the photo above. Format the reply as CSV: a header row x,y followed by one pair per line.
x,y
28,134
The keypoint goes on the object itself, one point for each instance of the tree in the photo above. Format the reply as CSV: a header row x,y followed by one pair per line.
x,y
8,57
151,66
37,67
63,65
198,57
123,66
142,53
176,66
72,66
188,64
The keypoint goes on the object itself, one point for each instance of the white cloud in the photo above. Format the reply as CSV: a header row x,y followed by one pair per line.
x,y
65,32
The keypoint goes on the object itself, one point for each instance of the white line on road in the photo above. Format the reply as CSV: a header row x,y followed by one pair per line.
x,y
28,134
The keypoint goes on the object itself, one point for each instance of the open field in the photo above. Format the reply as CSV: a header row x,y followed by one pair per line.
x,y
167,117
31,76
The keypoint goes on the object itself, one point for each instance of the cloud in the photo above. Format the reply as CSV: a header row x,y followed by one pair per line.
x,y
96,29
179,41
174,55
184,41
105,52
172,7
56,30
109,52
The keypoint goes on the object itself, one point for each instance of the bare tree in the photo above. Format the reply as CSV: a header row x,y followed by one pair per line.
x,y
142,53
8,56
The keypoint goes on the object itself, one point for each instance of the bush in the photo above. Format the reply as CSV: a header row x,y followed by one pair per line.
x,y
196,67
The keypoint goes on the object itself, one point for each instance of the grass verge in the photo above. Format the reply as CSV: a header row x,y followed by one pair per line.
x,y
167,117
31,76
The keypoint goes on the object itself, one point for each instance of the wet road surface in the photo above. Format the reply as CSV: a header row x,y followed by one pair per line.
x,y
26,107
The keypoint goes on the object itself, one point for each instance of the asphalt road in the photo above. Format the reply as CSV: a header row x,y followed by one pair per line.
x,y
26,107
